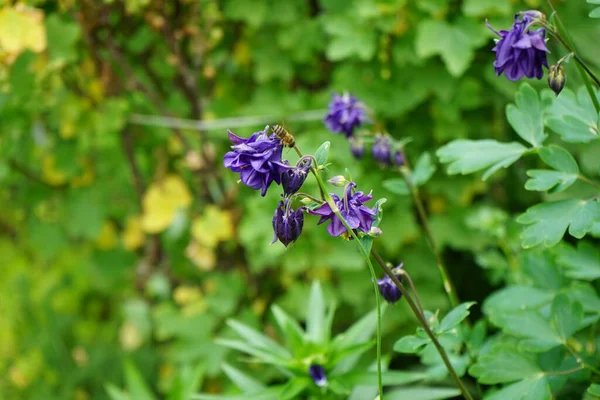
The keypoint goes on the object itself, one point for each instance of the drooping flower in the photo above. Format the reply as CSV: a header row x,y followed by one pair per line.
x,y
519,51
287,223
357,215
294,177
257,159
345,114
357,147
388,289
557,78
317,374
382,149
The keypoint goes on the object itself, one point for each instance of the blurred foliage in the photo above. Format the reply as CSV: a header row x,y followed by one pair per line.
x,y
126,246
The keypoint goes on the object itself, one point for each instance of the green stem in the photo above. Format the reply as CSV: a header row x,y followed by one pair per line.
x,y
567,372
581,361
406,173
425,324
588,181
334,208
585,72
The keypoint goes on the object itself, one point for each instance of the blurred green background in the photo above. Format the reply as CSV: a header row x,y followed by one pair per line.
x,y
122,241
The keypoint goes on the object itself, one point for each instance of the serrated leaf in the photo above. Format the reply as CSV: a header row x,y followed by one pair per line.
x,y
566,316
527,324
528,389
526,117
581,263
548,222
455,317
423,171
468,156
322,153
544,180
504,364
572,116
559,158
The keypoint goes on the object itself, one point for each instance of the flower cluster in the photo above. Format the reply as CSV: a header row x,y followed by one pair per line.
x,y
346,114
521,52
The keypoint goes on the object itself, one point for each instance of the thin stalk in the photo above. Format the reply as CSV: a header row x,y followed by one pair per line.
x,y
588,181
425,325
585,72
567,372
448,286
325,195
414,290
581,361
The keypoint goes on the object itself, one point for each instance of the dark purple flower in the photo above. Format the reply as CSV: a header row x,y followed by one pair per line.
x,y
293,178
345,114
257,159
382,149
399,158
521,52
388,289
317,374
357,147
357,215
287,223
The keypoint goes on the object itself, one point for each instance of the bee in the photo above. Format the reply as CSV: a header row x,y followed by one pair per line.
x,y
287,139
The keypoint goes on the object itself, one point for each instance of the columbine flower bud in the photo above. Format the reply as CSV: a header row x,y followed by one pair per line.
x,y
557,78
399,158
388,289
375,232
287,223
382,148
338,181
293,178
317,374
357,147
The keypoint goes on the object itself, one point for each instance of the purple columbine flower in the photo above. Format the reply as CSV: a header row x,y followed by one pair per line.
x,y
345,114
521,52
357,147
317,374
357,215
257,159
398,158
287,223
293,178
382,149
388,289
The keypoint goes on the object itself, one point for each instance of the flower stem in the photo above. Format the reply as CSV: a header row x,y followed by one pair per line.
x,y
581,361
425,324
406,173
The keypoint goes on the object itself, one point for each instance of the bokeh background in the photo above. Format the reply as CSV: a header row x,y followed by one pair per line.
x,y
125,245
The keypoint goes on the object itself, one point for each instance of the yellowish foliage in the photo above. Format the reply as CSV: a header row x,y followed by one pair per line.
x,y
107,239
86,178
203,257
133,235
213,226
21,28
161,202
130,336
50,173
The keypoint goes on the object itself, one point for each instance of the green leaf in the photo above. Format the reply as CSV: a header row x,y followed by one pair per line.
x,y
527,324
322,154
594,389
566,317
423,171
455,317
410,344
62,36
454,43
396,186
595,13
294,387
243,381
536,388
548,222
504,364
361,331
422,393
468,156
293,333
389,378
572,116
559,159
315,319
187,382
526,117
350,38
485,8
581,263
137,388
115,393
258,340
514,297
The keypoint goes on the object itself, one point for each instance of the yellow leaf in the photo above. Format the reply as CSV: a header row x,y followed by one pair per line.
x,y
22,28
50,173
130,336
213,226
67,129
133,235
203,257
161,202
107,239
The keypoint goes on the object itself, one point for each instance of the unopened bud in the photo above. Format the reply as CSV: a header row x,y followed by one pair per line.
x,y
375,231
557,78
338,181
